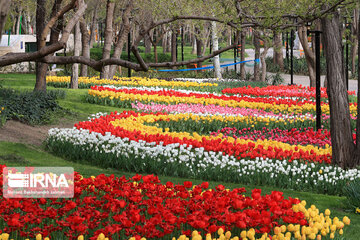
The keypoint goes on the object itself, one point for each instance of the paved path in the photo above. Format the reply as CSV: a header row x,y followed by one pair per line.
x,y
298,79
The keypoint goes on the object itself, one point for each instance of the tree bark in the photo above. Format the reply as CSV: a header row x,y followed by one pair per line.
x,y
173,46
309,55
93,26
122,36
74,84
168,43
4,9
194,47
215,47
354,40
207,40
41,68
343,148
278,53
263,62
85,44
110,6
257,55
164,42
147,43
18,21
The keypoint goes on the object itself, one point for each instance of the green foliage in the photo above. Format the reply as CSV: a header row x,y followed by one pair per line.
x,y
30,107
352,193
96,54
299,66
276,79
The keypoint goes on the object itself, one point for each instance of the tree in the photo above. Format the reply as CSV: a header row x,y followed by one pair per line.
x,y
4,9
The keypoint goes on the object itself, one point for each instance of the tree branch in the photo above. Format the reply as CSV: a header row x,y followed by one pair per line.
x,y
196,60
53,20
12,58
139,58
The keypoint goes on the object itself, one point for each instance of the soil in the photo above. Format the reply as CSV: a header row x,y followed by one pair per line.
x,y
14,131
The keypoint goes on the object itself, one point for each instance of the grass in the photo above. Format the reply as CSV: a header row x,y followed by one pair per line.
x,y
16,154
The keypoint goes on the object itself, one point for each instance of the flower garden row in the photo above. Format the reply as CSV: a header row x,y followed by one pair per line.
x,y
239,138
142,207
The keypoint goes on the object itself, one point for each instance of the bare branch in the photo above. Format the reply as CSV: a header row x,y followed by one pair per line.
x,y
12,58
139,58
53,20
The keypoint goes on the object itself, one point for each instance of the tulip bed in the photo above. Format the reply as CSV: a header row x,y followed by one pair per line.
x,y
144,142
142,206
86,82
251,137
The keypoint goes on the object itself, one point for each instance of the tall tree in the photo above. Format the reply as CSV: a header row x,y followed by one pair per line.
x,y
309,54
110,6
74,84
41,68
215,47
344,153
4,9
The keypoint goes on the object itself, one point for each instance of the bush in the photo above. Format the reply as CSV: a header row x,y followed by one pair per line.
x,y
30,107
299,66
96,54
352,193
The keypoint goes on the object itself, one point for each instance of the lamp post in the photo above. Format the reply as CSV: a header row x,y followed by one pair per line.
x,y
317,67
182,43
287,50
235,49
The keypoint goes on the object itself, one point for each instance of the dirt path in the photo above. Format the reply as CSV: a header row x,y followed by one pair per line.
x,y
15,131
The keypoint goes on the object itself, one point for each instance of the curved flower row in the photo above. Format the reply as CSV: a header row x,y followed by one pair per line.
x,y
107,150
306,136
283,91
135,126
86,82
123,96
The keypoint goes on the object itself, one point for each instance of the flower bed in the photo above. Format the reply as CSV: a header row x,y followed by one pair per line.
x,y
123,97
86,82
127,141
142,206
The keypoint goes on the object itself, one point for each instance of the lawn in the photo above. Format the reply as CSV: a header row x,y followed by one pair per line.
x,y
16,154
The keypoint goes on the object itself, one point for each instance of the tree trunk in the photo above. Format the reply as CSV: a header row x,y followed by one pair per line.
x,y
18,21
309,55
278,53
173,46
110,6
263,62
4,9
74,84
199,44
207,40
194,47
85,44
215,47
242,54
257,55
343,148
164,42
147,43
93,26
122,37
354,41
41,68
168,43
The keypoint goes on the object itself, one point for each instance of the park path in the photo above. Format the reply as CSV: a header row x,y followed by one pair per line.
x,y
298,79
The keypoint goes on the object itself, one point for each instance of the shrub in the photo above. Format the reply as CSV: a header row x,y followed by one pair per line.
x,y
30,107
352,193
